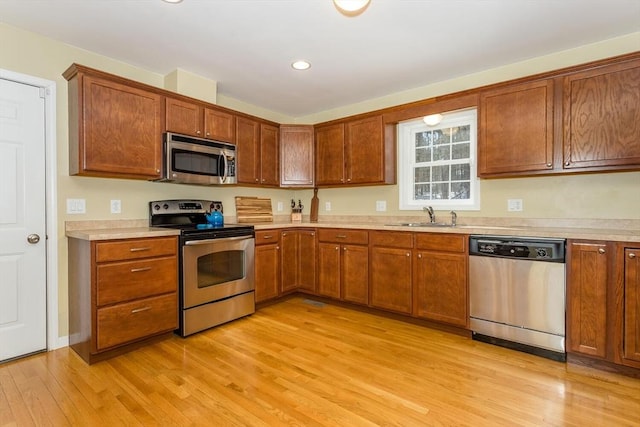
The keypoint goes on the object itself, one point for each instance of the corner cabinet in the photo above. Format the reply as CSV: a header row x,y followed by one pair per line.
x,y
296,156
195,119
354,152
121,293
257,152
115,126
516,129
298,260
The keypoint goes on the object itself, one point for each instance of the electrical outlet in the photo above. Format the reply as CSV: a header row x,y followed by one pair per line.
x,y
76,206
514,205
280,207
116,206
327,206
381,205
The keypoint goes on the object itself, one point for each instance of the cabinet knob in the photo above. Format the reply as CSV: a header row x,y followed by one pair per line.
x,y
549,165
277,248
632,255
601,251
419,255
337,248
208,133
567,163
198,132
344,249
408,254
257,180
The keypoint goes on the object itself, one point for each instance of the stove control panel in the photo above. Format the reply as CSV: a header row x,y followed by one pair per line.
x,y
172,207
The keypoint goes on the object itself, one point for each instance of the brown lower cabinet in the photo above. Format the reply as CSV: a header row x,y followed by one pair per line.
x,y
298,260
267,265
343,264
391,264
121,292
631,325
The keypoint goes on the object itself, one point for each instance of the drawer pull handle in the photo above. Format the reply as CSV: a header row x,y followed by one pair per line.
x,y
139,249
268,236
601,251
138,270
341,236
139,310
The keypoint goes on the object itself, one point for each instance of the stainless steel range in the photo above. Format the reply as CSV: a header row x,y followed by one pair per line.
x,y
216,264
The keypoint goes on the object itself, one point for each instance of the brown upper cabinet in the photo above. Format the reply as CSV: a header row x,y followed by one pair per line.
x,y
190,118
354,152
115,126
516,129
579,119
602,117
257,152
296,156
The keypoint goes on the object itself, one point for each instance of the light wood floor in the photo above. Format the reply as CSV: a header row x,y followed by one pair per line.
x,y
302,364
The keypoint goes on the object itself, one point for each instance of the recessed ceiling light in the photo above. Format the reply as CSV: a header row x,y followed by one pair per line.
x,y
172,1
351,7
301,65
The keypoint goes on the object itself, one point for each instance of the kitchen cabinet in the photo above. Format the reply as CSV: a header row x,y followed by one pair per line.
x,y
601,113
440,280
298,260
267,265
121,292
257,152
631,321
354,152
115,126
516,132
296,156
195,119
391,271
343,264
587,298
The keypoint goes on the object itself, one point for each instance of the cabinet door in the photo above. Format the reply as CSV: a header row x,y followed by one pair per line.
x,y
267,271
391,279
440,286
290,256
364,151
307,260
219,125
330,161
329,269
248,151
601,116
355,273
120,131
516,129
587,299
183,117
296,156
631,348
269,155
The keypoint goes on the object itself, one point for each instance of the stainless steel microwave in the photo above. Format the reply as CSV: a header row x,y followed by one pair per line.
x,y
190,160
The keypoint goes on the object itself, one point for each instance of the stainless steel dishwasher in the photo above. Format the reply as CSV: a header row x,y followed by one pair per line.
x,y
517,293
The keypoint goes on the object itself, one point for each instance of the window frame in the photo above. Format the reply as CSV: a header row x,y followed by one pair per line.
x,y
406,134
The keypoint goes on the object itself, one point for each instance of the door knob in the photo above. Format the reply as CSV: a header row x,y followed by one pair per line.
x,y
33,238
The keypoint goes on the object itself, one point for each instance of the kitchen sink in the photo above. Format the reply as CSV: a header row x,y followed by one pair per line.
x,y
422,224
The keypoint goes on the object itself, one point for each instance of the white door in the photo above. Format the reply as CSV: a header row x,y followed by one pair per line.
x,y
23,291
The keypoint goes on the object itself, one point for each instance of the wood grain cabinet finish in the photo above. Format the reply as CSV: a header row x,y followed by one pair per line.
x,y
257,153
440,281
298,260
267,265
391,271
115,126
121,292
631,325
516,131
296,156
587,298
602,116
354,152
343,264
195,119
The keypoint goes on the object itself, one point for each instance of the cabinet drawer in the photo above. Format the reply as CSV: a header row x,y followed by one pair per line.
x,y
336,235
392,239
132,249
267,236
129,280
123,323
442,242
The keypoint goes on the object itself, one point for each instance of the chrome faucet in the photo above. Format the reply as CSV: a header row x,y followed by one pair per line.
x,y
454,218
432,215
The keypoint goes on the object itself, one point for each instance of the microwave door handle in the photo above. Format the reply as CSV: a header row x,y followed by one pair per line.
x,y
224,175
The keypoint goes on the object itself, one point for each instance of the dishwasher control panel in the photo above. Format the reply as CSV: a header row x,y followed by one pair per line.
x,y
541,249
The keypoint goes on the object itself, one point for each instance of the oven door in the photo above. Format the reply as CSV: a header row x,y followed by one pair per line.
x,y
216,269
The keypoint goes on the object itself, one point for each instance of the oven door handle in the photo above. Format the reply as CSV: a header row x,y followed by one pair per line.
x,y
220,240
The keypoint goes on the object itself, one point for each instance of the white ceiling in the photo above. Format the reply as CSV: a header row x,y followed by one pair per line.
x,y
247,46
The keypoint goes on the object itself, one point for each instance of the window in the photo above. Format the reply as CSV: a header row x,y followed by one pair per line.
x,y
437,164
